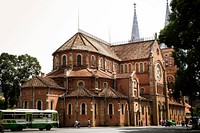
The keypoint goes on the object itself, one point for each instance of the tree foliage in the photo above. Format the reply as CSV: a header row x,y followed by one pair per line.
x,y
14,71
183,33
196,111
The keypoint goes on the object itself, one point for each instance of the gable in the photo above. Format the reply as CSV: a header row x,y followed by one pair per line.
x,y
41,82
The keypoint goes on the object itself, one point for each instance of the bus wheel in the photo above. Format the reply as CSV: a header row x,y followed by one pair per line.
x,y
12,129
48,127
41,129
19,128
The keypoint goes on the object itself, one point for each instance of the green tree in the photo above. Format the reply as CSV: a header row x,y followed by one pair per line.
x,y
14,71
183,33
196,111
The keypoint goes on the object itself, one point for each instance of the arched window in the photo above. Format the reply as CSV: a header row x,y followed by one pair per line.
x,y
133,67
141,91
125,68
129,68
145,66
106,64
101,63
79,60
122,109
136,67
25,104
110,109
135,83
39,104
141,67
121,68
95,109
92,60
51,105
64,59
166,60
69,109
83,109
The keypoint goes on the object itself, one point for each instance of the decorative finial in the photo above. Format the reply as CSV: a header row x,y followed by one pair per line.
x,y
155,36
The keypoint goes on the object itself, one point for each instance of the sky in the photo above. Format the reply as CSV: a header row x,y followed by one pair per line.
x,y
39,27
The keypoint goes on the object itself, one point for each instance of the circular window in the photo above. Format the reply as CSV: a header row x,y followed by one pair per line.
x,y
81,84
105,85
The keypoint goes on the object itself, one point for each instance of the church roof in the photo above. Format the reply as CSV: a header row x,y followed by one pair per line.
x,y
85,41
107,92
175,103
79,73
83,92
123,75
41,82
134,50
111,93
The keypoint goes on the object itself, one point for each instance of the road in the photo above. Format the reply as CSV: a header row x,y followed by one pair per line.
x,y
149,129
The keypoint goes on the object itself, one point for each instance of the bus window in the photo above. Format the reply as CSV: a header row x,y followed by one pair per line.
x,y
55,117
48,115
8,115
19,115
37,116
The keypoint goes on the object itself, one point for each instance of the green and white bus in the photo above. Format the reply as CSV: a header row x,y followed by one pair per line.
x,y
19,119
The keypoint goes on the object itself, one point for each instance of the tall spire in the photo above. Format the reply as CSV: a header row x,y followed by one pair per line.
x,y
162,45
167,15
135,29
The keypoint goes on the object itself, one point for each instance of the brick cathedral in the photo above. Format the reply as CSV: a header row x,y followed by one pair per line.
x,y
128,84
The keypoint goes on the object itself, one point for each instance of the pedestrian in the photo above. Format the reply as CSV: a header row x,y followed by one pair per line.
x,y
186,122
77,124
163,122
89,125
183,123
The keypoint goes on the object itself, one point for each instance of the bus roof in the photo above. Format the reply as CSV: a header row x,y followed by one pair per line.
x,y
29,110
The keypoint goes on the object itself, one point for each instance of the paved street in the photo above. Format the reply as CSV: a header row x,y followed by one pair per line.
x,y
149,129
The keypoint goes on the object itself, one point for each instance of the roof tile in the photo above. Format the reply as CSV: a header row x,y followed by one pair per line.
x,y
41,82
109,92
81,92
89,43
133,51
